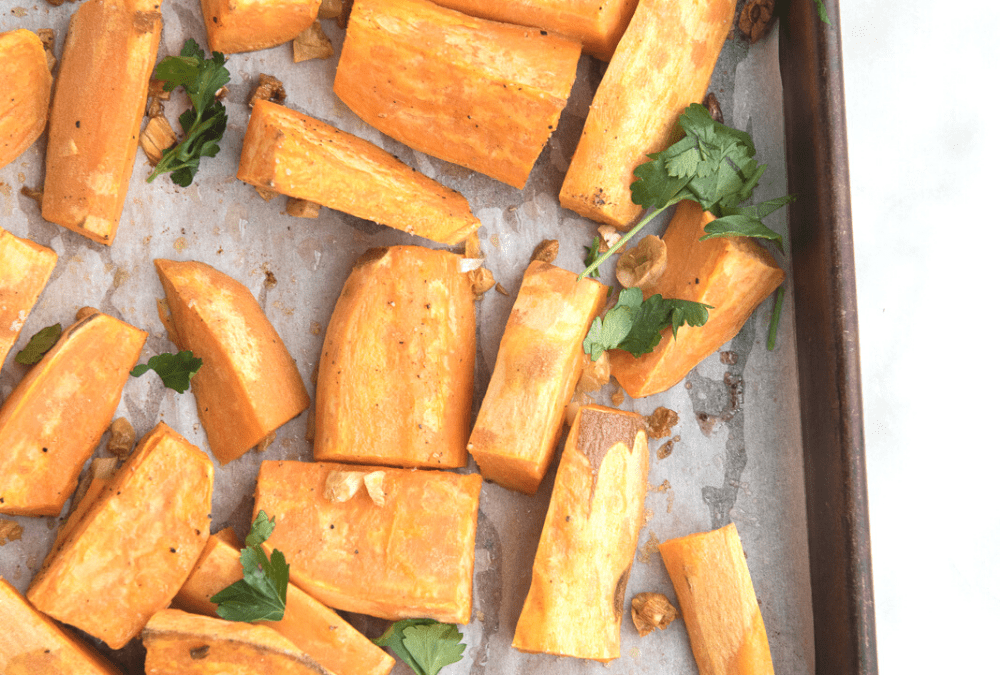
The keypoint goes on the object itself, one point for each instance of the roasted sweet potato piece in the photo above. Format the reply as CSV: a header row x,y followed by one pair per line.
x,y
733,275
178,643
54,419
481,94
299,156
674,44
409,558
312,627
32,644
25,268
710,575
396,374
575,604
538,365
26,85
97,110
248,25
248,384
133,549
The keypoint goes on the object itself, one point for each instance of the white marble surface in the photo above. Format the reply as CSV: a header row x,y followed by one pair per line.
x,y
920,85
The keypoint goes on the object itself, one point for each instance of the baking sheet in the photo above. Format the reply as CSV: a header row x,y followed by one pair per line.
x,y
737,452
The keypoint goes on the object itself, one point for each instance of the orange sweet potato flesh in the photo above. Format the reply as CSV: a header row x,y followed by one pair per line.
x,y
25,268
55,417
32,644
663,63
410,558
178,643
308,624
581,569
733,275
482,94
248,25
301,157
537,368
710,575
396,374
97,110
598,24
248,384
26,85
133,549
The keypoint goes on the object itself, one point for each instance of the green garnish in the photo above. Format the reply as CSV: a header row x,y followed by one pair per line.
x,y
260,594
176,370
424,645
821,8
593,251
772,334
40,342
635,325
203,124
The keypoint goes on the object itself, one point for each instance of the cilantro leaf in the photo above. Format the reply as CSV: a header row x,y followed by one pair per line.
x,y
424,645
175,370
40,342
260,595
205,122
635,325
821,8
593,251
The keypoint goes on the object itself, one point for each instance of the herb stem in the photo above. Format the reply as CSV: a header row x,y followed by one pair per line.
x,y
621,242
772,336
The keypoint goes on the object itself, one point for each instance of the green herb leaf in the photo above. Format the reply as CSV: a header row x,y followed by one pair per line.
x,y
260,595
424,645
205,123
821,8
772,334
593,251
175,370
40,342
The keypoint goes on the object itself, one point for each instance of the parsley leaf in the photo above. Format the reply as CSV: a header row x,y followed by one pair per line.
x,y
205,123
260,594
593,251
635,325
424,645
175,370
821,8
40,342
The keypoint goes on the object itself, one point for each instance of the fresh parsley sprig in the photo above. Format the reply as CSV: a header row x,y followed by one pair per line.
x,y
635,325
203,124
424,645
260,594
40,342
176,370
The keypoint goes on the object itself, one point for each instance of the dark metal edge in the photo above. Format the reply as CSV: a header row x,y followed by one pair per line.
x,y
826,324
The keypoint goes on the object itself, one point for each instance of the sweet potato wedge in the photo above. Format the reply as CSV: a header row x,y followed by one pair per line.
x,y
178,643
248,25
481,94
675,45
396,374
32,644
133,549
308,624
97,110
575,603
538,365
733,275
53,420
301,157
710,575
598,24
248,384
26,85
409,558
25,267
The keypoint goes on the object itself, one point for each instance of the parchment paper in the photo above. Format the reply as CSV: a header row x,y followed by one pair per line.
x,y
736,452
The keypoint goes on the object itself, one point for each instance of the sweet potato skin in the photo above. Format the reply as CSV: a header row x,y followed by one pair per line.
x,y
248,384
296,155
27,85
411,558
25,267
133,549
248,25
537,367
109,55
478,93
575,603
672,44
53,420
733,275
396,375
